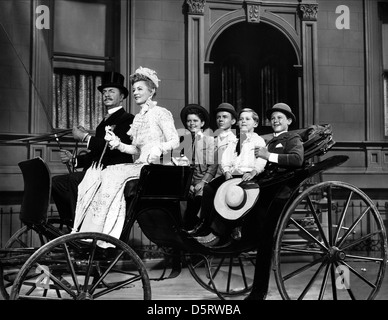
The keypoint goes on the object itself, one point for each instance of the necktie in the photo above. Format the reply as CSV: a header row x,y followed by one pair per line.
x,y
193,149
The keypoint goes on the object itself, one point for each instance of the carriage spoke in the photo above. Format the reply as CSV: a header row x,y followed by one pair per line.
x,y
342,218
312,280
364,258
90,265
329,215
243,272
309,234
333,283
72,271
56,281
102,277
217,269
352,227
302,269
300,250
360,240
318,224
357,274
118,285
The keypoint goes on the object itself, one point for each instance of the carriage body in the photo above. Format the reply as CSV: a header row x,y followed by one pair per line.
x,y
313,234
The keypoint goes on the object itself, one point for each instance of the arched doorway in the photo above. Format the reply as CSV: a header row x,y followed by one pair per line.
x,y
253,66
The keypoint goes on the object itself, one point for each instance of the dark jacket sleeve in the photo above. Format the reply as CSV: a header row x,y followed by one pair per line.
x,y
290,150
97,143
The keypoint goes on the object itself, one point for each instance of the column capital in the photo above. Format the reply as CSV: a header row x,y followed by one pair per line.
x,y
309,11
196,7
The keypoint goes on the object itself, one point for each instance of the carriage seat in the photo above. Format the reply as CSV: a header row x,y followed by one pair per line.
x,y
160,182
317,140
37,191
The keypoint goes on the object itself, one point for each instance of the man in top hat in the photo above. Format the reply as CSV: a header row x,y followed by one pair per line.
x,y
284,150
64,187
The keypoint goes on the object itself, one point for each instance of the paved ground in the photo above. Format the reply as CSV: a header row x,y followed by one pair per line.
x,y
184,287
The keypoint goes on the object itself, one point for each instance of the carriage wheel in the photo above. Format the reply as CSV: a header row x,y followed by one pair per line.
x,y
229,276
74,266
330,244
23,238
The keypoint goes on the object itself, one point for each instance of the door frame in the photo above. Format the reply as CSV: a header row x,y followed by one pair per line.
x,y
297,20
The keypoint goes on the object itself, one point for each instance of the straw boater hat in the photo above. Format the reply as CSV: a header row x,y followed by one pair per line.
x,y
185,112
283,108
235,197
113,80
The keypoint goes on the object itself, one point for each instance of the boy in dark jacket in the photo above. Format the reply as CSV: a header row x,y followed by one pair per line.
x,y
284,150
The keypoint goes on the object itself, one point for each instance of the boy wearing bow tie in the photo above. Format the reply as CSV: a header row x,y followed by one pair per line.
x,y
286,148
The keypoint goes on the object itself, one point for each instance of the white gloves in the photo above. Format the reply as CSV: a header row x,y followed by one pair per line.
x,y
114,141
154,155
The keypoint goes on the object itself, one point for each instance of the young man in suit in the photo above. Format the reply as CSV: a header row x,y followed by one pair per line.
x,y
64,187
284,150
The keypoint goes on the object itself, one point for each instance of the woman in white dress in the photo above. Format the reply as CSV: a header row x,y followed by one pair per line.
x,y
153,133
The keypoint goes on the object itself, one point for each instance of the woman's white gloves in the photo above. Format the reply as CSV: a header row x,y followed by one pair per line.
x,y
114,141
154,155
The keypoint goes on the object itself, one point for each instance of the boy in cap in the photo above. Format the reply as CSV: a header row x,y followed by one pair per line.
x,y
196,119
243,164
284,150
226,117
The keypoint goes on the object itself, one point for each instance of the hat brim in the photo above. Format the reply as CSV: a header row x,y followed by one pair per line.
x,y
184,113
233,113
288,114
224,210
123,89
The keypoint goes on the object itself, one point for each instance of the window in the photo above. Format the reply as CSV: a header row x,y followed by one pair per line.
x,y
232,83
76,100
84,46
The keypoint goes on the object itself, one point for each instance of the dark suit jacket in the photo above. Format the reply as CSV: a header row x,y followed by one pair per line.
x,y
289,146
122,121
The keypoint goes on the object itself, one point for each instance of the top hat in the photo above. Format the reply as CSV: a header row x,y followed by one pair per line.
x,y
114,80
228,108
283,108
234,198
185,112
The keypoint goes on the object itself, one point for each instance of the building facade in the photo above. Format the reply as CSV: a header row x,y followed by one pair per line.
x,y
327,59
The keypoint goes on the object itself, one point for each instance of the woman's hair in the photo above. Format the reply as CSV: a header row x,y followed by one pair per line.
x,y
140,77
255,116
197,112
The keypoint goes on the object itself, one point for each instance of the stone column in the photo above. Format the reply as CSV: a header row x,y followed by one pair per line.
x,y
195,51
309,46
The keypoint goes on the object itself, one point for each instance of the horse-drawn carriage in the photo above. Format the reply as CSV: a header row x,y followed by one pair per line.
x,y
330,241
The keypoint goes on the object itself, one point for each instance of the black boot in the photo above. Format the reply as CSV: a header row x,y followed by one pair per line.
x,y
257,294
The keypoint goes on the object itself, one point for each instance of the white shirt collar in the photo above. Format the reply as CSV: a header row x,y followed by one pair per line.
x,y
199,133
113,110
224,134
278,133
